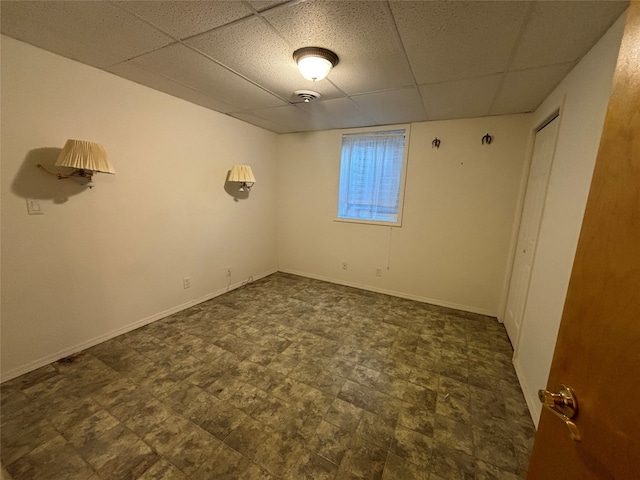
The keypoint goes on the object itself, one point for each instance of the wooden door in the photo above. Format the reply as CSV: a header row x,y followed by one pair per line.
x,y
542,158
598,348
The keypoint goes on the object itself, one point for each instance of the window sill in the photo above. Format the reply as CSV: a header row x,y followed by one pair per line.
x,y
379,223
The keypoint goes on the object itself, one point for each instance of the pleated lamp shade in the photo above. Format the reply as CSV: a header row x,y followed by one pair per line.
x,y
243,174
84,155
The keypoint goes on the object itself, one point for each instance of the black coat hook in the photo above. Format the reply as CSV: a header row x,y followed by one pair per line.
x,y
487,139
435,143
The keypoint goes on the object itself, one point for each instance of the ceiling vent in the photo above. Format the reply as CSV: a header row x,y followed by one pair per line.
x,y
306,96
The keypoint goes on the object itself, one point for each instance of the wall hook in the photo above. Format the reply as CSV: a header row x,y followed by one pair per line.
x,y
487,139
435,143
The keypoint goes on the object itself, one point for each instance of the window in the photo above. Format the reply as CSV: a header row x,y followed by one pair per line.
x,y
372,177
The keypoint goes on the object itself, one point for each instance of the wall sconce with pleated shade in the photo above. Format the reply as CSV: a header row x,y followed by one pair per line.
x,y
243,175
86,158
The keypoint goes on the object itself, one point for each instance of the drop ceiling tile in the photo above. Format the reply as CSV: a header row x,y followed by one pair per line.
x,y
95,33
184,19
253,49
466,98
158,82
455,40
338,113
393,106
292,118
362,34
546,41
190,68
524,90
261,5
445,41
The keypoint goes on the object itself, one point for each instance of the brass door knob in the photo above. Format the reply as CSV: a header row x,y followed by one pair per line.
x,y
563,405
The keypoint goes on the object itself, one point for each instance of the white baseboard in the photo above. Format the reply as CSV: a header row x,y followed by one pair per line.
x,y
41,362
393,293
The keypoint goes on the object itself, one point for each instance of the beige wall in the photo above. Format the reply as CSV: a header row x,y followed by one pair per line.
x,y
583,96
100,262
460,203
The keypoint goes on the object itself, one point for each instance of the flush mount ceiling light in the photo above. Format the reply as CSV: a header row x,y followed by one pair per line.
x,y
315,63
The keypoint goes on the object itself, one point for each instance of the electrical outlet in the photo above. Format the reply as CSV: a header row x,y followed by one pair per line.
x,y
378,272
228,271
344,265
186,282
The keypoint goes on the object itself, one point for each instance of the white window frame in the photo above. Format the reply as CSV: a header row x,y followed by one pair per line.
x,y
403,175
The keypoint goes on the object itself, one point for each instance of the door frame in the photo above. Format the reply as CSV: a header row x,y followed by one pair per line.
x,y
539,121
596,349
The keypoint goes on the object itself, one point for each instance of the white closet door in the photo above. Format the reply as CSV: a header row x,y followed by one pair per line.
x,y
533,208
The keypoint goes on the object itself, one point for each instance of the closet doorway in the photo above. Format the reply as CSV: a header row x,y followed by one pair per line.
x,y
536,192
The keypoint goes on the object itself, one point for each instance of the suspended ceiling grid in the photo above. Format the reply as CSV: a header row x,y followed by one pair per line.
x,y
400,61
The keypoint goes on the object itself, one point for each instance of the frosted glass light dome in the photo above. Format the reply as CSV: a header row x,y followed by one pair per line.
x,y
314,68
315,63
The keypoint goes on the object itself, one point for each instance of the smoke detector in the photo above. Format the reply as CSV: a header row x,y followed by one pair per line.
x,y
306,95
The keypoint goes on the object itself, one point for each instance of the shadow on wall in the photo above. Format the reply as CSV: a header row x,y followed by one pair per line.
x,y
235,189
33,182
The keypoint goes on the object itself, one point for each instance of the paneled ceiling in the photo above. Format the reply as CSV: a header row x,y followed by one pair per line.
x,y
400,61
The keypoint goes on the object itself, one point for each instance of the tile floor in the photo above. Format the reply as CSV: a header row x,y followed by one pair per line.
x,y
285,378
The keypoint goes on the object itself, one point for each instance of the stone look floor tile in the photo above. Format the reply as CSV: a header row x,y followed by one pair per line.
x,y
329,382
344,415
453,400
224,463
394,387
418,418
397,468
330,442
119,453
193,450
53,460
376,430
424,373
487,471
284,378
164,436
17,440
452,464
384,406
278,456
364,376
413,446
88,430
314,467
364,459
254,472
418,395
456,435
12,399
496,449
247,398
163,470
355,393
249,437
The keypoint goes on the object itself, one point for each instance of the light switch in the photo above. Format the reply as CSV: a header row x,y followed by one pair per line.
x,y
33,207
